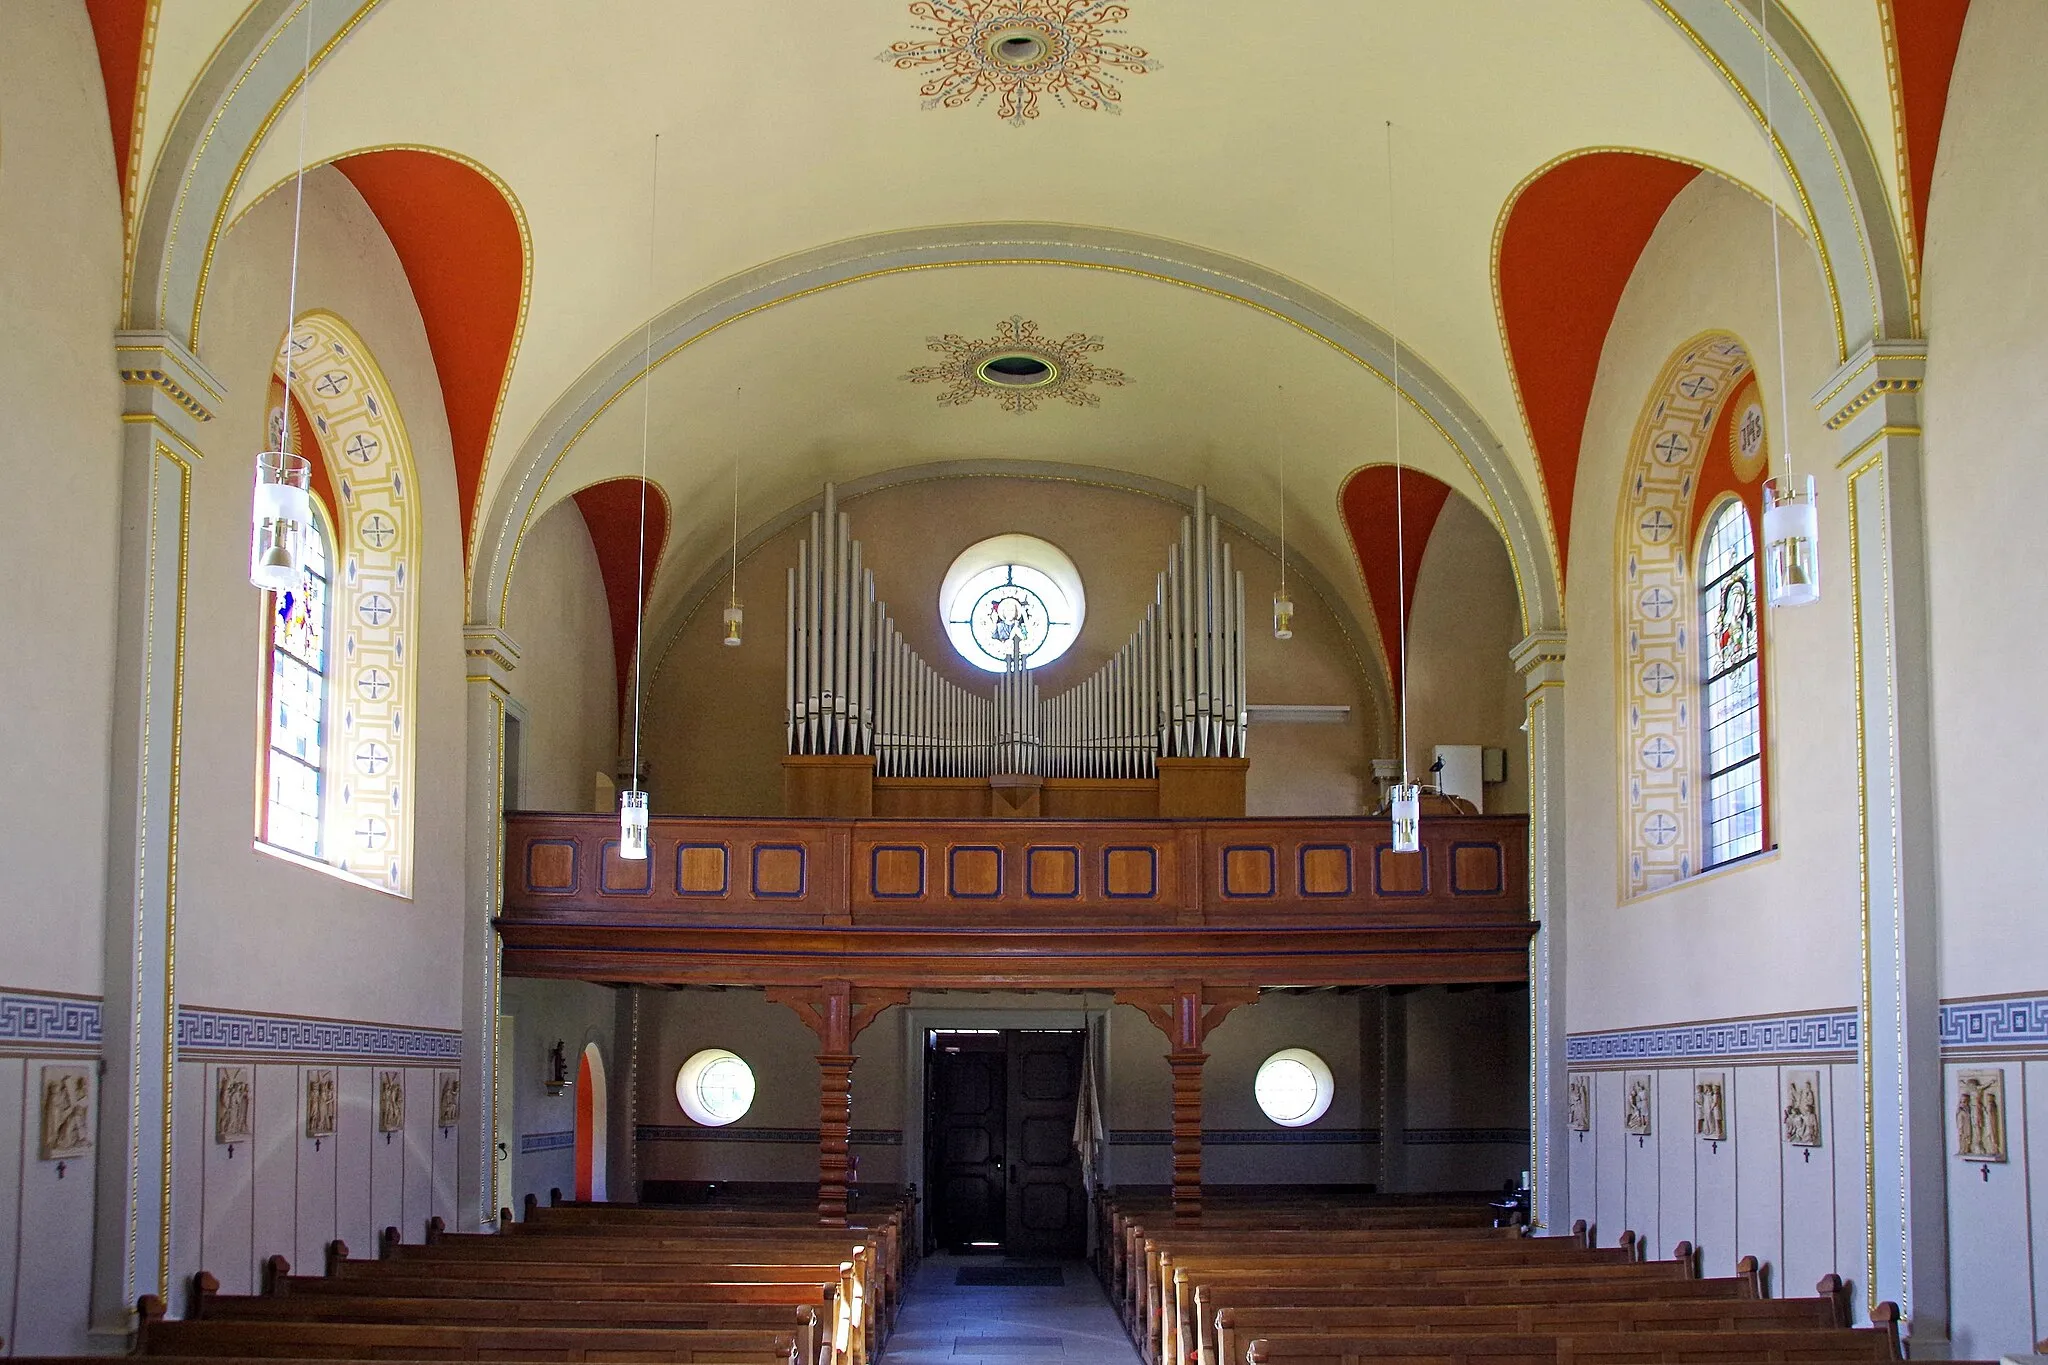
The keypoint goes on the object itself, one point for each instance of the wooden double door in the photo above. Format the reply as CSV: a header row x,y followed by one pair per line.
x,y
999,1142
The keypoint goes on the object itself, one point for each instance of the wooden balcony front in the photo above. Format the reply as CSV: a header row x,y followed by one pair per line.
x,y
1005,904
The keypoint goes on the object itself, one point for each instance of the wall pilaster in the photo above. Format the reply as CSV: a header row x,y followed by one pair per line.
x,y
1872,405
1540,660
485,1135
168,398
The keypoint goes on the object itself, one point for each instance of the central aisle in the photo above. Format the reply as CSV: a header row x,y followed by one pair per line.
x,y
947,1323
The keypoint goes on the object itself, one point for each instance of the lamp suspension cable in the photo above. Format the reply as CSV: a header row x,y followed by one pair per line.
x,y
1791,529
281,514
1283,605
1407,803
633,802
734,614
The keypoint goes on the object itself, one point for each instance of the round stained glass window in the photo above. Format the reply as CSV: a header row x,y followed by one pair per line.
x,y
1293,1087
1010,597
715,1087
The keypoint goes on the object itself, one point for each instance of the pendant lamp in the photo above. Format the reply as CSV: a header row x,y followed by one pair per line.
x,y
633,801
1791,517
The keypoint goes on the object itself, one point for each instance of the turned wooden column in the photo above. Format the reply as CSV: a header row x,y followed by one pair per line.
x,y
1186,1014
837,1013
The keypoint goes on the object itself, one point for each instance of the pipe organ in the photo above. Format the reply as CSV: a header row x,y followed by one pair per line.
x,y
1174,689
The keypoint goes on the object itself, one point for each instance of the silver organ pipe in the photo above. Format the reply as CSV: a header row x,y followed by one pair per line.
x,y
1175,688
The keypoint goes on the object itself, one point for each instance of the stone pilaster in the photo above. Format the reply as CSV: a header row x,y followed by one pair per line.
x,y
1540,660
168,400
1872,405
485,1136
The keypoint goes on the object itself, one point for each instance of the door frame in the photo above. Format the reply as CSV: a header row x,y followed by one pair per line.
x,y
920,1020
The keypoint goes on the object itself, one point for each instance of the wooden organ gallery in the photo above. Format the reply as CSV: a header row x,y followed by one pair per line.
x,y
941,839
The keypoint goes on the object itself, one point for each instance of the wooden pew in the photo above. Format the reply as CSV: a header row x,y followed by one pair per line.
x,y
1835,1346
440,1342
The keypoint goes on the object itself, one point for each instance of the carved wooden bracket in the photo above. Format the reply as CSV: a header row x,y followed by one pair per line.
x,y
1187,1013
836,1011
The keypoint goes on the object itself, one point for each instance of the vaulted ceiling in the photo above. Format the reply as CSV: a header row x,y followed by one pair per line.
x,y
1204,191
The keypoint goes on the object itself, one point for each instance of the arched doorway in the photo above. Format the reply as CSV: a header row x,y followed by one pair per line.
x,y
592,1106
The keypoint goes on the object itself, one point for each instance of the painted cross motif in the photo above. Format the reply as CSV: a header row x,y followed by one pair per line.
x,y
374,683
361,448
1671,447
1658,678
332,384
302,342
379,530
376,609
1660,753
1658,602
372,832
373,758
1660,829
1657,526
1695,386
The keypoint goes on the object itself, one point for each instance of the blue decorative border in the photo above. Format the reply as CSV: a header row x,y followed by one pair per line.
x,y
1301,870
529,1143
646,887
36,1022
953,872
1272,872
1151,862
2019,1021
724,869
1824,1033
807,1137
803,872
204,1030
1073,851
875,873
1465,1137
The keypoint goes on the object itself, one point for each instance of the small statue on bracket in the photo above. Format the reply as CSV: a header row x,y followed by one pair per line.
x,y
558,1068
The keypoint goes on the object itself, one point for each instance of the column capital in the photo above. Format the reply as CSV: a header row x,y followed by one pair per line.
x,y
1539,658
1875,395
492,655
161,381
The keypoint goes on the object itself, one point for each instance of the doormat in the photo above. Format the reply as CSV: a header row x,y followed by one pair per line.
x,y
1010,1276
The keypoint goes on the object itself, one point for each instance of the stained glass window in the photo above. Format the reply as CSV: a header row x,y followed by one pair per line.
x,y
1732,706
295,771
1011,609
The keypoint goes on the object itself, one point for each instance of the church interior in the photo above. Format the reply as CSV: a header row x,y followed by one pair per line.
x,y
1268,671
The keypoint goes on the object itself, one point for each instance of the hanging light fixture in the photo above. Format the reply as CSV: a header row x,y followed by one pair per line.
x,y
633,801
281,509
1283,604
1791,515
1406,796
735,615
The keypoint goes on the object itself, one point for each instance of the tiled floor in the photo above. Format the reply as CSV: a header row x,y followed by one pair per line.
x,y
944,1323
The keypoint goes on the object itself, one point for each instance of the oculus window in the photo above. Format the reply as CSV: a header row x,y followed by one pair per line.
x,y
1293,1087
1012,596
715,1087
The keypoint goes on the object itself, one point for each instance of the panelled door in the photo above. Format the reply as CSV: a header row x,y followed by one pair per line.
x,y
1045,1214
1000,1142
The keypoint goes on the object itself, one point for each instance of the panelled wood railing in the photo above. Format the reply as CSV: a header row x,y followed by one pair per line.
x,y
1185,919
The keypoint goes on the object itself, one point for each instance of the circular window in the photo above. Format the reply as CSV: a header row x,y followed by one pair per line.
x,y
1293,1087
715,1087
1012,596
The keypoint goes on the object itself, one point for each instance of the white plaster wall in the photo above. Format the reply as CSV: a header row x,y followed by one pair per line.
x,y
1797,1210
1466,618
1986,422
565,690
60,451
576,1013
1779,932
911,534
45,1221
255,931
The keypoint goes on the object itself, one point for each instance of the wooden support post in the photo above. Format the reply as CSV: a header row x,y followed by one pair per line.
x,y
837,1013
1185,1014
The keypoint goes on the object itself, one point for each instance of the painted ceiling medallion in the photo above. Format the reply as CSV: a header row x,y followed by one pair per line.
x,y
1019,50
1017,367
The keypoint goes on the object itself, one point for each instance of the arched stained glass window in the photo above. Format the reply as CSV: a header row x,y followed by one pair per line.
x,y
1731,701
296,760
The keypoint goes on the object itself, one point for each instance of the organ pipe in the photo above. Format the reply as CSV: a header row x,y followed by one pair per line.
x,y
1175,688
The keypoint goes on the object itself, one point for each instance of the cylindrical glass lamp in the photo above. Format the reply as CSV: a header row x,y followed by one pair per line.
x,y
735,616
1283,616
633,824
1407,804
279,516
1791,541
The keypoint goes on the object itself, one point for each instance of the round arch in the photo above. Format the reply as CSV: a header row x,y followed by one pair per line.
x,y
593,1135
1656,661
